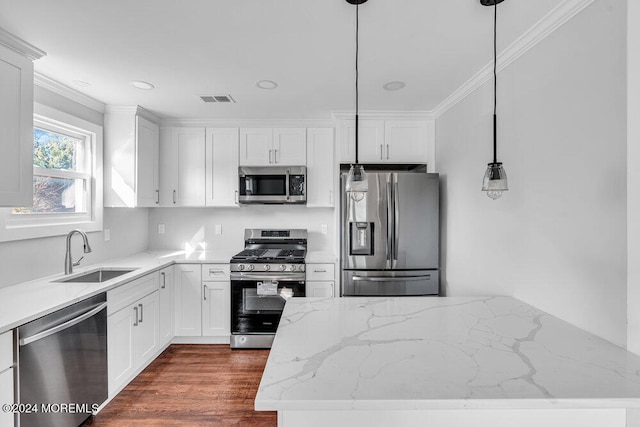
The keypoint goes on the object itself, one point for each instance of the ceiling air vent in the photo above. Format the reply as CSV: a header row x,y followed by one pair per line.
x,y
217,98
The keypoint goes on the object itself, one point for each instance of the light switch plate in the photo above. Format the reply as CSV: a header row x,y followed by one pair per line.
x,y
218,228
107,234
160,228
324,229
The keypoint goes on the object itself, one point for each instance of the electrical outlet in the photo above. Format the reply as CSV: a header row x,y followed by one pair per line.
x,y
218,228
324,229
160,228
107,234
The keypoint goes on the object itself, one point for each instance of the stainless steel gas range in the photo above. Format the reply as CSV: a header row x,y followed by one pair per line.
x,y
264,275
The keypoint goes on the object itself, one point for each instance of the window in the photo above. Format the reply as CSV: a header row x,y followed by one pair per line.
x,y
67,179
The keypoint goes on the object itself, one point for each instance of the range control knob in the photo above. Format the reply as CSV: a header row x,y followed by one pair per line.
x,y
241,267
251,267
267,267
292,268
283,267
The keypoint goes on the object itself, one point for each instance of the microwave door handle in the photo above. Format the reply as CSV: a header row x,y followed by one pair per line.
x,y
286,184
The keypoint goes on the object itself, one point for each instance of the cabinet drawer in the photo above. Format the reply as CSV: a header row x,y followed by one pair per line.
x,y
215,272
129,293
6,350
320,271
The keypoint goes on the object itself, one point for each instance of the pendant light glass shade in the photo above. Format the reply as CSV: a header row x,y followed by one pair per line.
x,y
357,184
495,180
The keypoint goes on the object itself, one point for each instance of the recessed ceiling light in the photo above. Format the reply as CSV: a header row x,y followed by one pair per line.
x,y
139,84
81,83
267,84
394,85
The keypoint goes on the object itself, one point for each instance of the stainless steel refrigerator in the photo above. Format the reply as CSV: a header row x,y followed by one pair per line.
x,y
390,238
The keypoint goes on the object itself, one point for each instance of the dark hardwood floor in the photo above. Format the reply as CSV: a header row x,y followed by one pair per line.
x,y
192,385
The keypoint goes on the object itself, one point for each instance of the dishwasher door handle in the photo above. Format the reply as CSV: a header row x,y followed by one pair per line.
x,y
61,327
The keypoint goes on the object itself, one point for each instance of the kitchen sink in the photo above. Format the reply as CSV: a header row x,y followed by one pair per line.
x,y
97,276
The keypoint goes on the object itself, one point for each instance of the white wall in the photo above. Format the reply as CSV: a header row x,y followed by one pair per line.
x,y
29,259
557,239
195,225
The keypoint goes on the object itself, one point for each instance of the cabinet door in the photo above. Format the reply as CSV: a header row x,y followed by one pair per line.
x,y
182,167
320,167
120,338
167,310
216,304
147,156
222,153
188,298
406,141
256,147
6,396
319,289
370,136
16,127
146,332
290,146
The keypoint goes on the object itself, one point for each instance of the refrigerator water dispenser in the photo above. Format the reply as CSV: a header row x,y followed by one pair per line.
x,y
361,240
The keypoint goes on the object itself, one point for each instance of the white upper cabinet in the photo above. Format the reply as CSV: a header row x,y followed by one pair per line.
x,y
182,166
405,141
16,120
320,167
387,141
370,137
132,151
268,147
222,167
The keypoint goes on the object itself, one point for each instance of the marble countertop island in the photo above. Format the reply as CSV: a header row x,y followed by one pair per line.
x,y
416,354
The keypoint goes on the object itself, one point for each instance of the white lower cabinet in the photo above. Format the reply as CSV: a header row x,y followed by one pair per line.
x,y
320,280
6,377
216,301
167,310
188,310
132,331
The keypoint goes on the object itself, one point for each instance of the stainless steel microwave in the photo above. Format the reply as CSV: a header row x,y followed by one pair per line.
x,y
272,184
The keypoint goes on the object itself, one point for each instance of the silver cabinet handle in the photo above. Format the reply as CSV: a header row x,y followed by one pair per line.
x,y
236,198
136,310
331,197
66,325
275,156
205,292
164,280
319,271
140,305
387,151
212,271
174,197
270,156
157,197
381,151
391,279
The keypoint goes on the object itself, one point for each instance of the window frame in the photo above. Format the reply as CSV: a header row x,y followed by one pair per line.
x,y
36,225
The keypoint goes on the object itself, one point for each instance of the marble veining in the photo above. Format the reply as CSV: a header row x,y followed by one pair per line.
x,y
445,353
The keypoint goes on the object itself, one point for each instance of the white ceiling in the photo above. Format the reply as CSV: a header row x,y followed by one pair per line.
x,y
194,47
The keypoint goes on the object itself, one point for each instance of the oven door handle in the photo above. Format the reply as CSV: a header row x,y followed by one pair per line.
x,y
391,279
262,277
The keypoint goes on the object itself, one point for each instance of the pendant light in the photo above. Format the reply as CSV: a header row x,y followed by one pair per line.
x,y
357,184
495,178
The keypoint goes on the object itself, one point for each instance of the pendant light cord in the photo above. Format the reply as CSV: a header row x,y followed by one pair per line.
x,y
357,48
495,82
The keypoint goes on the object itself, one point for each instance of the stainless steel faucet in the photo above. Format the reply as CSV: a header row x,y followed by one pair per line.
x,y
68,261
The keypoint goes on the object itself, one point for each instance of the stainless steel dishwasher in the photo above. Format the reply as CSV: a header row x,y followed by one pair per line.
x,y
62,365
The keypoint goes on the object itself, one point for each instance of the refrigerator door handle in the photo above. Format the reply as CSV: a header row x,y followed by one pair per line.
x,y
396,218
391,279
389,246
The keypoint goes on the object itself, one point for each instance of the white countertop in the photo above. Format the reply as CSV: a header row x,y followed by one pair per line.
x,y
439,353
27,301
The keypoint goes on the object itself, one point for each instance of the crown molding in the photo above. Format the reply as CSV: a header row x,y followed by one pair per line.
x,y
134,110
381,115
72,94
307,123
549,23
20,46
